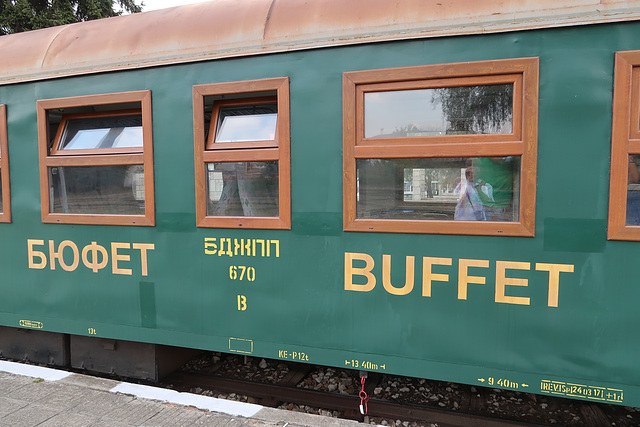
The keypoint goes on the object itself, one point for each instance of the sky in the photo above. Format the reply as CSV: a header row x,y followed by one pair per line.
x,y
163,4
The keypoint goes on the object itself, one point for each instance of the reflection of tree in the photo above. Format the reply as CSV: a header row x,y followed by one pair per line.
x,y
477,109
449,178
405,130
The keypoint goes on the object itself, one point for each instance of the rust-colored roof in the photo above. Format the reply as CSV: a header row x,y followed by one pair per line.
x,y
228,28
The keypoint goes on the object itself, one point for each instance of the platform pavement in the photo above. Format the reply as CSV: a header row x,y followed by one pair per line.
x,y
35,396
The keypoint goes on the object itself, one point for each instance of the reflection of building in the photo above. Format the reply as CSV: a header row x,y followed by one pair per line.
x,y
215,183
408,190
423,184
418,184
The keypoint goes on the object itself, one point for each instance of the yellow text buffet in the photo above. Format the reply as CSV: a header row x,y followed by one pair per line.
x,y
359,276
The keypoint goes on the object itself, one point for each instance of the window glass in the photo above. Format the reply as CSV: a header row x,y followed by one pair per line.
x,y
459,110
247,123
115,190
242,189
102,132
470,189
633,191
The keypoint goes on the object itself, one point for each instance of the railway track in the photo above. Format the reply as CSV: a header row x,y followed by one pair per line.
x,y
286,392
223,379
228,376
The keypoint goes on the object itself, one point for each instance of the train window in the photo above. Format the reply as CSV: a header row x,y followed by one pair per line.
x,y
96,159
99,132
242,154
445,149
5,200
624,194
244,123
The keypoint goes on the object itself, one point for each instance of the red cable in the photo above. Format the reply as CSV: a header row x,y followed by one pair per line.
x,y
363,397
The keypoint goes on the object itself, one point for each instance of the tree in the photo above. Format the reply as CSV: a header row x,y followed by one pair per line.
x,y
25,15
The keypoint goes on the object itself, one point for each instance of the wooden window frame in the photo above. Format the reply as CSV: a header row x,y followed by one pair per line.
x,y
97,157
5,215
252,151
522,141
625,141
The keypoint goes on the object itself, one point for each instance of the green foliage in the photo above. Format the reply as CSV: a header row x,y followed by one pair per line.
x,y
25,15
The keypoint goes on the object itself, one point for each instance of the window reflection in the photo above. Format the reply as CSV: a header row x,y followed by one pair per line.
x,y
102,132
242,189
115,190
469,189
247,123
633,191
440,111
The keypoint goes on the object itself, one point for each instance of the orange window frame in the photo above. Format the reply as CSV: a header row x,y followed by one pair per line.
x,y
243,93
5,215
52,157
625,141
522,141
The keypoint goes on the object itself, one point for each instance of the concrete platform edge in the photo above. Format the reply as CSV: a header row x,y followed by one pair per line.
x,y
271,416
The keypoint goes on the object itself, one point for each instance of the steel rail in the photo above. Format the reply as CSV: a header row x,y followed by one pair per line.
x,y
274,394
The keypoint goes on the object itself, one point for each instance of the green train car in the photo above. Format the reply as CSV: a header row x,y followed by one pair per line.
x,y
444,190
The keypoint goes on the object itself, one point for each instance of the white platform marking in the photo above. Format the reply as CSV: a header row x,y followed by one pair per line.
x,y
213,404
46,374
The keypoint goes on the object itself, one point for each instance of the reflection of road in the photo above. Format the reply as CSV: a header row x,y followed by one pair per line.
x,y
436,208
436,199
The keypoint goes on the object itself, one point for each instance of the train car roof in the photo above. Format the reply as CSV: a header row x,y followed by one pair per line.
x,y
231,28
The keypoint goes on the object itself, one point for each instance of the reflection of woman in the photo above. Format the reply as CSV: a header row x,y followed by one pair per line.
x,y
633,196
469,207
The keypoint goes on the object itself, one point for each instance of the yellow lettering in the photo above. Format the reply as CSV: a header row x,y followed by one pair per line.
x,y
428,276
464,278
229,251
32,254
409,276
277,245
116,257
502,281
261,241
210,246
94,265
242,303
144,247
221,250
59,255
554,279
350,271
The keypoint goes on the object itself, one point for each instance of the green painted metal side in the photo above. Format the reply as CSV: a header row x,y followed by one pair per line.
x,y
297,308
